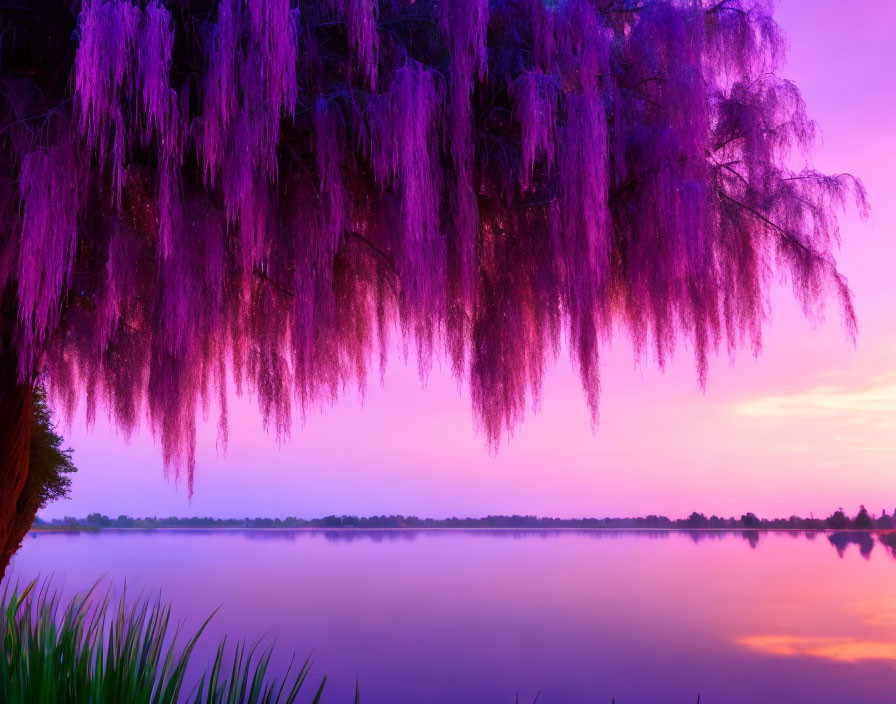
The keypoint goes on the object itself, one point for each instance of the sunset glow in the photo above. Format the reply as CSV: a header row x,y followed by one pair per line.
x,y
836,649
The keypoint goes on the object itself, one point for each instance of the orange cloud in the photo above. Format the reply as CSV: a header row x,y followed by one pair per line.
x,y
837,649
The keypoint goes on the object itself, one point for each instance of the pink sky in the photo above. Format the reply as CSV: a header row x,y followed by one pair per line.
x,y
808,426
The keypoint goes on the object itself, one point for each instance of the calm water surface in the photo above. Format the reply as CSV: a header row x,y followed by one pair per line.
x,y
479,616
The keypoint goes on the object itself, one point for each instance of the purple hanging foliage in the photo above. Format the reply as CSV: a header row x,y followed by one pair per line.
x,y
264,192
251,84
535,109
51,189
463,23
158,98
161,116
360,17
104,80
329,133
404,155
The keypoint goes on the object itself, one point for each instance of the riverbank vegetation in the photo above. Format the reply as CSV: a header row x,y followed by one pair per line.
x,y
97,650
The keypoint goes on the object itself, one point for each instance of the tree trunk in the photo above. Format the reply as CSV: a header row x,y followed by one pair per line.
x,y
16,514
26,510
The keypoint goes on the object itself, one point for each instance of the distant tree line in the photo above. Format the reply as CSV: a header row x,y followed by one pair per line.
x,y
838,520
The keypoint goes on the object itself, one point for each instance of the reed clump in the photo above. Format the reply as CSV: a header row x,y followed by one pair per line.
x,y
96,649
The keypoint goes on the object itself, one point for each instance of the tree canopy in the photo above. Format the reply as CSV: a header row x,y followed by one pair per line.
x,y
50,462
270,189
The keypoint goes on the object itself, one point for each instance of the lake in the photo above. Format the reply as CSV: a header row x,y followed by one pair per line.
x,y
479,616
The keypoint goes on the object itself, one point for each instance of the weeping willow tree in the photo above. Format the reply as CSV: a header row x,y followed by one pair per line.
x,y
279,192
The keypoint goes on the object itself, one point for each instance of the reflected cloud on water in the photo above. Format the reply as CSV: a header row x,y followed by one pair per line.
x,y
847,650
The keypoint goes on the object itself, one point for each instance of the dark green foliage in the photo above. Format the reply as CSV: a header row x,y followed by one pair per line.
x,y
50,464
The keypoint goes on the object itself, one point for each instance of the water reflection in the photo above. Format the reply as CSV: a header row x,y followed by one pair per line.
x,y
847,650
840,540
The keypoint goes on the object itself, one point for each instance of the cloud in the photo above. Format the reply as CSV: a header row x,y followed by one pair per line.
x,y
836,649
874,403
854,420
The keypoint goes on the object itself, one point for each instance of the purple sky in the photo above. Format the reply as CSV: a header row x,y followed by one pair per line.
x,y
808,426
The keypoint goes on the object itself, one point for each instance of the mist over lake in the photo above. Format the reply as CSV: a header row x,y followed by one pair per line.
x,y
479,616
